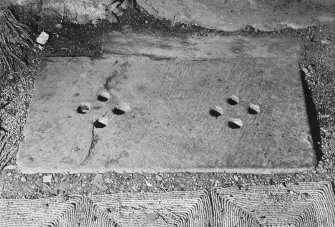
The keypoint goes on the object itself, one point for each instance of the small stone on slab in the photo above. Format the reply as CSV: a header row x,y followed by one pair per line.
x,y
47,178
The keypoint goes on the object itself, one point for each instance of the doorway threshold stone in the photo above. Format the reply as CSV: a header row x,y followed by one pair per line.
x,y
168,125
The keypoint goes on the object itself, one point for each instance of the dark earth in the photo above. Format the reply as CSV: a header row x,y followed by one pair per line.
x,y
69,39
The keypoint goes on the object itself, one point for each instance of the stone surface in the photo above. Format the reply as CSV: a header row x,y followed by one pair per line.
x,y
169,127
47,178
235,14
221,15
98,181
190,208
301,204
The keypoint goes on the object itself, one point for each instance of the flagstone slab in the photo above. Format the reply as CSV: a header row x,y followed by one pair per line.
x,y
170,126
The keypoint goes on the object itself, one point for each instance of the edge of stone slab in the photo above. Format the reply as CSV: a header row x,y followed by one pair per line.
x,y
236,14
261,171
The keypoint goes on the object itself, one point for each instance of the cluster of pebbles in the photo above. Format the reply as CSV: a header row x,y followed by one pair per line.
x,y
235,122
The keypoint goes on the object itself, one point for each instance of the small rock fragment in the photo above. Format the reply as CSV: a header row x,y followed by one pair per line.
x,y
235,123
2,133
58,25
42,38
104,96
326,41
23,179
148,183
111,18
151,216
56,179
308,71
324,116
159,178
108,181
305,70
310,68
118,12
114,5
254,109
233,100
47,178
84,107
126,5
10,166
98,181
291,192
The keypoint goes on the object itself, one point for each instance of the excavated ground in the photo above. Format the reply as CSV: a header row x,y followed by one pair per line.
x,y
78,40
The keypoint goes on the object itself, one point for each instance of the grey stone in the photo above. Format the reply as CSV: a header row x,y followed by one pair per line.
x,y
169,128
47,178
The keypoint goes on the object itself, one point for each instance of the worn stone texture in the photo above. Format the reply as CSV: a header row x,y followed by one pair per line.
x,y
171,88
300,204
234,14
221,15
82,11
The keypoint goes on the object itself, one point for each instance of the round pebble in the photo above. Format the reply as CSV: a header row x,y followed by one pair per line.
x,y
23,179
47,178
42,38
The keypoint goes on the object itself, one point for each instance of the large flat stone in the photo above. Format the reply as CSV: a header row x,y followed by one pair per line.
x,y
169,127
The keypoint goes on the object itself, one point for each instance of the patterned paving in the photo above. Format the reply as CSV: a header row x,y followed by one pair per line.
x,y
159,209
303,204
143,209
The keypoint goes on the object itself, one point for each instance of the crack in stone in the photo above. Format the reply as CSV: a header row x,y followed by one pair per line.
x,y
94,141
